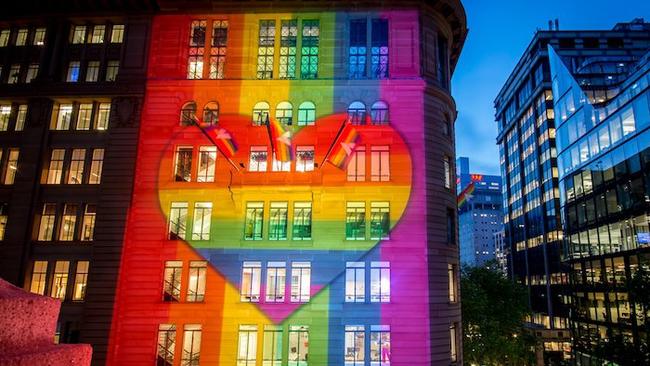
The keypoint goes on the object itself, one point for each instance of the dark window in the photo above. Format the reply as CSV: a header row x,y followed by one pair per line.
x,y
379,49
567,43
451,226
615,43
358,49
443,62
590,43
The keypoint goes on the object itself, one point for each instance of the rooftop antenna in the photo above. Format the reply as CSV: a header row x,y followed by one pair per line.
x,y
557,24
550,25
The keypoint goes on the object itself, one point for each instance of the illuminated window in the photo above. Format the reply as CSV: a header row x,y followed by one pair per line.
x,y
298,345
14,74
288,42
39,37
355,221
355,339
202,217
260,113
68,222
278,221
251,281
12,166
276,275
188,114
281,166
355,282
39,278
92,71
272,350
266,49
447,167
304,158
453,342
379,281
300,281
4,37
379,164
379,345
97,34
183,164
63,117
166,345
172,281
301,221
309,49
21,37
379,113
247,345
196,49
80,281
103,116
3,220
258,159
177,220
78,34
254,221
357,113
46,227
32,72
196,282
451,272
117,33
379,220
112,68
60,280
284,113
21,116
191,345
55,169
76,172
306,114
358,54
84,115
96,166
218,50
88,223
73,72
379,49
5,115
207,163
211,113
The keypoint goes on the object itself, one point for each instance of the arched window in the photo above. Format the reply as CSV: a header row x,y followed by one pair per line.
x,y
357,113
188,114
211,113
260,113
306,114
284,113
379,113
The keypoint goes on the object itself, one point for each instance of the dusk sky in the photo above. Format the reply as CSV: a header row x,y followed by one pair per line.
x,y
499,32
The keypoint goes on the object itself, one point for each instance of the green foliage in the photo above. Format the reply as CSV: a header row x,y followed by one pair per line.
x,y
494,309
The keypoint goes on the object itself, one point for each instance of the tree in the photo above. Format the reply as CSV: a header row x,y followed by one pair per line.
x,y
494,309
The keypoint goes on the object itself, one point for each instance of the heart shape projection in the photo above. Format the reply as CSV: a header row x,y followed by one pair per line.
x,y
327,187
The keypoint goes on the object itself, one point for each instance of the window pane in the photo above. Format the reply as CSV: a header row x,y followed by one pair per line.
x,y
60,280
117,33
80,281
304,158
251,281
55,169
196,282
166,345
96,166
301,221
191,345
309,49
379,281
172,281
88,225
39,274
207,163
254,221
300,281
177,220
76,173
266,49
354,345
298,345
272,352
275,281
68,222
46,227
278,221
379,220
247,345
355,222
183,165
202,217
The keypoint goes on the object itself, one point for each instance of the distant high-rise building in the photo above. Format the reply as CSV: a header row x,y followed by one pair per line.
x,y
480,214
527,147
501,251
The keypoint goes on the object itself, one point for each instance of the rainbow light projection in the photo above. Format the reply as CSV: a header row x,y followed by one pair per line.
x,y
139,308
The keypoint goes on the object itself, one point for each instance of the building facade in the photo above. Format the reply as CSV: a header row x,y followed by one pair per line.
x,y
603,142
480,215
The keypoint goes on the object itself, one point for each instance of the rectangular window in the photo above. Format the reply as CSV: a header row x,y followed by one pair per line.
x,y
272,351
172,281
196,49
4,212
247,345
355,221
301,221
39,278
103,116
78,34
39,37
251,280
92,71
191,345
281,166
5,114
379,281
276,275
379,49
451,226
309,49
300,281
254,221
278,221
76,172
21,116
379,164
196,282
96,166
447,168
73,72
80,281
443,62
266,49
202,217
60,280
21,37
46,227
112,68
63,117
355,282
218,49
178,220
55,169
166,345
379,220
117,33
183,164
306,114
97,34
258,159
32,72
207,163
68,223
355,338
288,42
88,224
379,345
84,116
14,74
451,272
357,53
453,342
12,166
298,345
304,158
4,37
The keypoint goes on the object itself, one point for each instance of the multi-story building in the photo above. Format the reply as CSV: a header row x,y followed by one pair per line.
x,y
501,251
602,111
480,214
528,153
71,86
